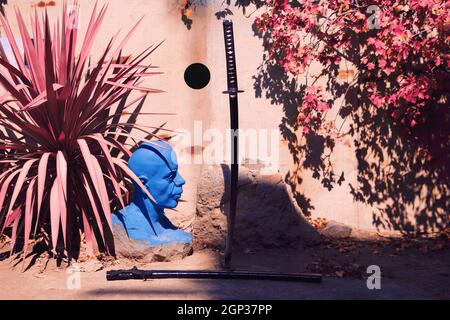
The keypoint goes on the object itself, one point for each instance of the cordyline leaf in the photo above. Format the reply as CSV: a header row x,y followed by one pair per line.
x,y
55,213
127,37
4,190
119,146
150,134
42,174
5,174
134,177
63,64
29,206
96,176
104,145
19,183
52,108
120,107
88,234
132,119
41,98
14,215
16,72
60,151
117,189
14,229
132,136
26,128
12,41
93,28
93,205
102,191
125,65
99,138
86,92
28,47
61,169
128,86
39,76
13,147
62,208
12,90
88,161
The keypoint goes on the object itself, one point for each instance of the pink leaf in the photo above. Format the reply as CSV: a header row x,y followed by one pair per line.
x,y
29,205
104,145
88,234
4,190
20,180
42,174
13,216
131,87
135,178
97,178
102,191
14,230
93,205
61,169
55,213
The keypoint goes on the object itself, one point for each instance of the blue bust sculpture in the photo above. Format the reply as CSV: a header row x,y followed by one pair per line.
x,y
144,220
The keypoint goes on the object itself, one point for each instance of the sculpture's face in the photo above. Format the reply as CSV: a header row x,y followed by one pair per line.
x,y
157,168
167,185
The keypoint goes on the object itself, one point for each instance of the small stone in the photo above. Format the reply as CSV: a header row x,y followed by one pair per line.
x,y
336,230
40,275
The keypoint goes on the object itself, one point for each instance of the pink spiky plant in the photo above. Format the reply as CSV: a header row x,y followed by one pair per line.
x,y
63,145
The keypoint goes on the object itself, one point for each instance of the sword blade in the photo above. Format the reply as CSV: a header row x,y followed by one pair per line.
x,y
234,178
234,125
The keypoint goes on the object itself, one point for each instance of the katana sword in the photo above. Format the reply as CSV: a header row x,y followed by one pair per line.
x,y
232,92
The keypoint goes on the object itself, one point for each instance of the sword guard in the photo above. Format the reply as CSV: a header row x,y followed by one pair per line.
x,y
233,91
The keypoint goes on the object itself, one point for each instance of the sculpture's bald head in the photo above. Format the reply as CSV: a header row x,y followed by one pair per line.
x,y
156,166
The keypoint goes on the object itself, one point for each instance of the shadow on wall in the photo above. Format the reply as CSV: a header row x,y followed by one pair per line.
x,y
188,6
2,3
406,192
393,177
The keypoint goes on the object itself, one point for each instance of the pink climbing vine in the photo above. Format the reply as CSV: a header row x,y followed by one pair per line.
x,y
398,48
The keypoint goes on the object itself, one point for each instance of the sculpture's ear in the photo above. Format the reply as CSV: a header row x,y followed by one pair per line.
x,y
143,179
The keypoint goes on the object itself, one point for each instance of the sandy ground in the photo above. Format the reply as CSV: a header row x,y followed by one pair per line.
x,y
410,270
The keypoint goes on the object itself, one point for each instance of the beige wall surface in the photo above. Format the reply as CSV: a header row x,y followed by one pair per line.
x,y
209,107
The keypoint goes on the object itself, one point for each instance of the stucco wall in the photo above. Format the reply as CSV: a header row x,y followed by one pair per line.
x,y
204,43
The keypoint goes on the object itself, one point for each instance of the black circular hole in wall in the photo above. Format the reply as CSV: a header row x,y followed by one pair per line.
x,y
197,76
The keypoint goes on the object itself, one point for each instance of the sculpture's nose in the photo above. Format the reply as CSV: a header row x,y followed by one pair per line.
x,y
179,181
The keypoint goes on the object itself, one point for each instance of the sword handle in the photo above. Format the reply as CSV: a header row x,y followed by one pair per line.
x,y
230,58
